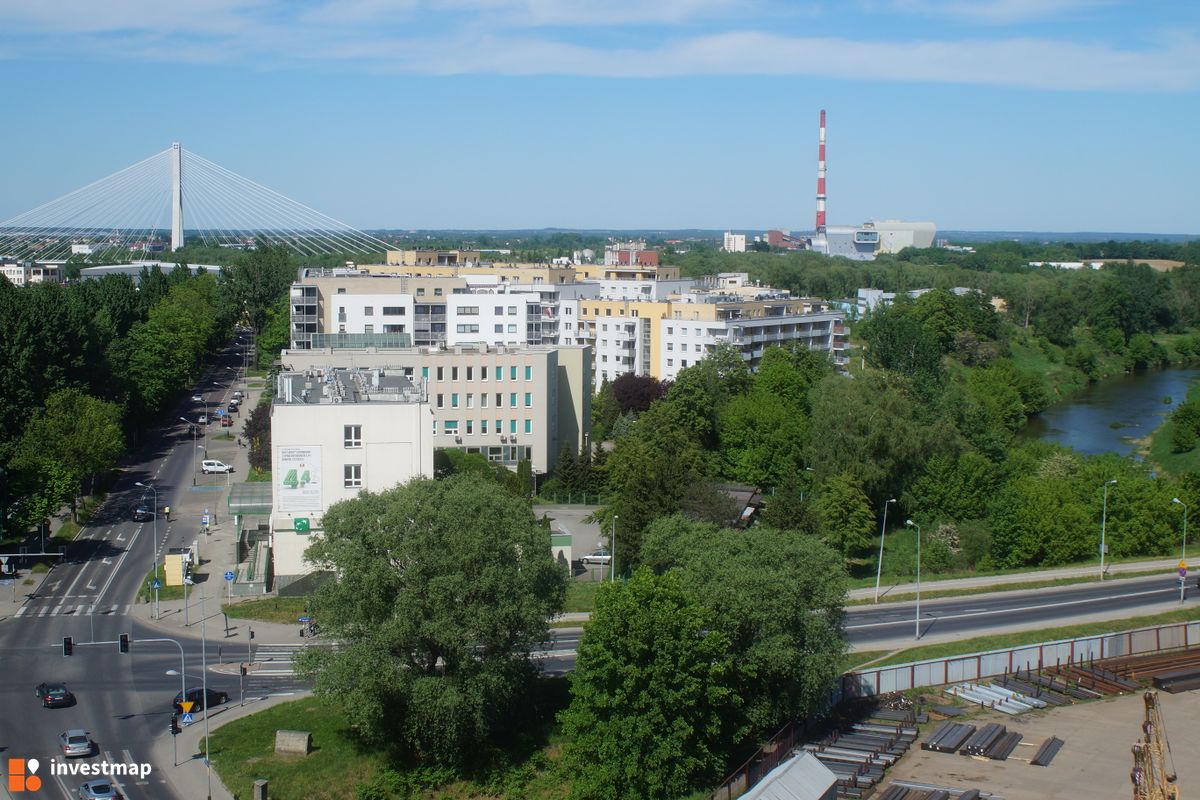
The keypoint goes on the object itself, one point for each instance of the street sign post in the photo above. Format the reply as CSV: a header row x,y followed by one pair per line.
x,y
187,719
229,583
204,520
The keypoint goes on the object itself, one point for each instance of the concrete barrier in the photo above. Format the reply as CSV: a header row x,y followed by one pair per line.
x,y
293,742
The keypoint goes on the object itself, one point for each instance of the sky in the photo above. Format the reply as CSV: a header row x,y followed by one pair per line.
x,y
1021,115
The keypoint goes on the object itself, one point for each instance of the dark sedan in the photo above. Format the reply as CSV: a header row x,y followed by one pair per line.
x,y
54,695
196,695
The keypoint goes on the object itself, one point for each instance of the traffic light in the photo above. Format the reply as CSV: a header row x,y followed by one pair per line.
x,y
123,643
68,646
174,724
243,670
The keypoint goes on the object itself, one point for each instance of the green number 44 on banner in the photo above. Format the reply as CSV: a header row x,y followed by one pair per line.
x,y
292,482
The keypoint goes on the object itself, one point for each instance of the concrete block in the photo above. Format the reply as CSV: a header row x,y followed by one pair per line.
x,y
260,790
293,742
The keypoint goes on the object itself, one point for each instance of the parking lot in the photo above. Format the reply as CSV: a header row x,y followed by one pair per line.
x,y
1095,759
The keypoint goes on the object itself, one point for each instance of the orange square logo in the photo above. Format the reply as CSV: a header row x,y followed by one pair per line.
x,y
21,777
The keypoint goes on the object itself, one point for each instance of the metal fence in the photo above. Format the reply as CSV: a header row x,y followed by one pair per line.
x,y
953,669
765,759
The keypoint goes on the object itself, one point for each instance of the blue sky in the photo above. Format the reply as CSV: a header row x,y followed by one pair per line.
x,y
1053,115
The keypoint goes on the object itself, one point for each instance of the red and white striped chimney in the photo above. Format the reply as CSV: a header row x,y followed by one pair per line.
x,y
821,178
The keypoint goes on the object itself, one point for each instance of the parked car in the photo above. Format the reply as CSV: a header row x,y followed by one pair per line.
x,y
75,742
54,695
202,419
99,789
210,465
196,695
601,556
226,421
197,398
142,513
238,395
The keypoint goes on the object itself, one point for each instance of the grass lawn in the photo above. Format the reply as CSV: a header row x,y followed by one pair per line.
x,y
1003,640
146,594
243,751
581,596
257,475
268,609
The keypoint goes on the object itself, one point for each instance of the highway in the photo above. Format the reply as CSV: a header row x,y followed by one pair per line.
x,y
124,700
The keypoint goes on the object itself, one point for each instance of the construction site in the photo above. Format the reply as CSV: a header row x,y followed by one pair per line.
x,y
1118,728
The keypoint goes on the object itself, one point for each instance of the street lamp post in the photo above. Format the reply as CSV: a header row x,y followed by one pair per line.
x,y
912,524
882,530
1182,552
155,518
193,427
806,469
1103,523
612,563
204,694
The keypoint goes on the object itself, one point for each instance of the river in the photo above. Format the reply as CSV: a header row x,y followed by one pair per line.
x,y
1111,414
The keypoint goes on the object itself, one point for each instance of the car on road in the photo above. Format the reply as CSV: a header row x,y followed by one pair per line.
x,y
54,695
238,395
210,465
98,790
196,695
142,513
202,419
601,556
197,398
75,742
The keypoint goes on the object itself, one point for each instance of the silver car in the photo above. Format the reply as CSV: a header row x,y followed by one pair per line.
x,y
98,790
75,742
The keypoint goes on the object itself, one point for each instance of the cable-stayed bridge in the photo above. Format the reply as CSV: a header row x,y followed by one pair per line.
x,y
162,201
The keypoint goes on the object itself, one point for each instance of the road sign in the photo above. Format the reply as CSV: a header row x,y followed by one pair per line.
x,y
186,705
187,719
1183,565
156,584
229,575
1182,572
204,519
300,525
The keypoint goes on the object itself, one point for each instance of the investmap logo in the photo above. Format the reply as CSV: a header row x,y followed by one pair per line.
x,y
22,775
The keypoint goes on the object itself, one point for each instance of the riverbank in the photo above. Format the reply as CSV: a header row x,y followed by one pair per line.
x,y
1157,448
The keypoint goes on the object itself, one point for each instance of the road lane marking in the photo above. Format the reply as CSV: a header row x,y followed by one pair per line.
x,y
117,569
21,611
108,757
45,610
1061,603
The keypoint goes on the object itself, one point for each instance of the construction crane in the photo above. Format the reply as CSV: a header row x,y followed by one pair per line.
x,y
1151,778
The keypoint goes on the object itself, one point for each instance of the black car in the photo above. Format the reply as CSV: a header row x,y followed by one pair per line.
x,y
142,514
196,695
54,695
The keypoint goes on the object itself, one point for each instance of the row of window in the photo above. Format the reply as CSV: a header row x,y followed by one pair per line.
x,y
455,372
450,427
697,347
483,400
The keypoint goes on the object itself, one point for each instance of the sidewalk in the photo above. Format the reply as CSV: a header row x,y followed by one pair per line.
x,y
190,778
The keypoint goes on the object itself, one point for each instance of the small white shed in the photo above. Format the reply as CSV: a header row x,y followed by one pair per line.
x,y
801,777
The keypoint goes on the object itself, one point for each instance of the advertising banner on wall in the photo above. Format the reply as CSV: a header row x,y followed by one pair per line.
x,y
299,478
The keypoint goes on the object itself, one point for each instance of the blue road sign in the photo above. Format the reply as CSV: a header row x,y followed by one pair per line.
x,y
204,519
229,575
187,719
304,619
156,584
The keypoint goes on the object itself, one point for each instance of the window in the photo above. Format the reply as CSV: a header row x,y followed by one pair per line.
x,y
499,426
468,329
352,435
604,327
437,291
670,330
470,401
420,291
697,331
512,328
683,362
440,374
529,426
499,311
440,404
470,373
499,400
512,373
450,426
512,426
499,327
483,427
608,312
528,373
670,345
670,362
393,311
529,400
454,373
393,329
341,290
368,311
696,347
352,476
512,400
468,311
368,328
499,373
470,427
483,400
512,311
425,373
454,399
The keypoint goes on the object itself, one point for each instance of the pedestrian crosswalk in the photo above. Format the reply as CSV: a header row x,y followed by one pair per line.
x,y
73,610
279,659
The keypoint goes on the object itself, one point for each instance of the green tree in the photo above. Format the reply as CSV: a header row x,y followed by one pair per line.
x,y
777,597
651,695
898,341
847,523
443,590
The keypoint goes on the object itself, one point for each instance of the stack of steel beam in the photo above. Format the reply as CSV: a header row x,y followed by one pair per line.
x,y
1046,753
996,697
1182,680
1031,689
910,790
983,739
1060,686
859,753
948,737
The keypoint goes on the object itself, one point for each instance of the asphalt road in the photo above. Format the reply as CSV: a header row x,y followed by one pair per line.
x,y
124,700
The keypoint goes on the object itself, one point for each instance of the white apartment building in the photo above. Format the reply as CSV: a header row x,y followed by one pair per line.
x,y
734,242
334,433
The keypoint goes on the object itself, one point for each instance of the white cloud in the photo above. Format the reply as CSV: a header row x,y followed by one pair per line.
x,y
996,12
